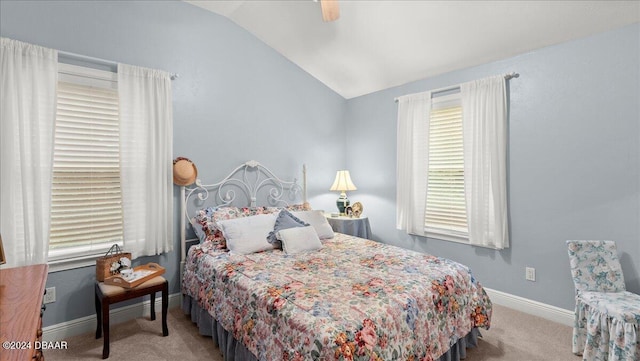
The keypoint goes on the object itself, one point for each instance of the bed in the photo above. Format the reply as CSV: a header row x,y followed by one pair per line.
x,y
314,294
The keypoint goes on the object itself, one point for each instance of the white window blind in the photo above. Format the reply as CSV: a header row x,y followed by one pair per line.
x,y
86,208
445,209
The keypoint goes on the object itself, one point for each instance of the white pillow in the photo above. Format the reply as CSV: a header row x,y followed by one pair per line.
x,y
248,234
318,221
299,239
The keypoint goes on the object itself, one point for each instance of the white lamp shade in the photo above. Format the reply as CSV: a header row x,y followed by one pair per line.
x,y
343,182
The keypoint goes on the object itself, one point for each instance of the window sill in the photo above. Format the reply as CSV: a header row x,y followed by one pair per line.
x,y
72,263
444,236
78,256
463,239
447,237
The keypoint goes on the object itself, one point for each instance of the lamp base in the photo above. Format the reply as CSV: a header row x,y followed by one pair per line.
x,y
342,203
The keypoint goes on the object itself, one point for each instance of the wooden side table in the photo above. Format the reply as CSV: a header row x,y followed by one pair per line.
x,y
107,295
358,227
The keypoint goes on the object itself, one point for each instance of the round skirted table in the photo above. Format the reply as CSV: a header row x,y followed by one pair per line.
x,y
358,227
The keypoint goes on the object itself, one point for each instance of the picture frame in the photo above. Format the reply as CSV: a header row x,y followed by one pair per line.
x,y
348,211
3,260
356,210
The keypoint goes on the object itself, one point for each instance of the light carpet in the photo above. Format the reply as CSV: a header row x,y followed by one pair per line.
x,y
514,336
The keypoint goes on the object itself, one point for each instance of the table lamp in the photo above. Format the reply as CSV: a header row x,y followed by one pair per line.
x,y
343,184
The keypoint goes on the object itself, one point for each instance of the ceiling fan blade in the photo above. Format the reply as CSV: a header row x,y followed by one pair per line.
x,y
330,10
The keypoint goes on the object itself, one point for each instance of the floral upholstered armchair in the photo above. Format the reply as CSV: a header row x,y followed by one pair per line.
x,y
607,316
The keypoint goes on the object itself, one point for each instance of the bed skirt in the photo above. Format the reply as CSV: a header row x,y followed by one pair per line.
x,y
233,350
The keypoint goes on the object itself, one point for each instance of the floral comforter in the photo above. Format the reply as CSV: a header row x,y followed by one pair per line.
x,y
354,299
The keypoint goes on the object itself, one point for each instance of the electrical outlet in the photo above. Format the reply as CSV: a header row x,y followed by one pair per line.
x,y
530,274
50,295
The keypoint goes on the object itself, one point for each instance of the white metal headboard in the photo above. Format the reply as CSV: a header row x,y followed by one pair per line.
x,y
248,178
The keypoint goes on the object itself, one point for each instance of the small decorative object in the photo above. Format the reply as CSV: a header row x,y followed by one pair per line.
x,y
126,273
134,277
184,171
348,211
120,265
356,210
114,261
342,184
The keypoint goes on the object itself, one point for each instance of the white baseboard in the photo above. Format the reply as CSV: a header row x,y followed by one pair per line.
x,y
549,312
64,330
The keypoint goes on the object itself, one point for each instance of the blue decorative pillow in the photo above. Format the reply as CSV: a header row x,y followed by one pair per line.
x,y
285,220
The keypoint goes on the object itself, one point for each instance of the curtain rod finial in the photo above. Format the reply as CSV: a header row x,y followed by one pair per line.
x,y
512,75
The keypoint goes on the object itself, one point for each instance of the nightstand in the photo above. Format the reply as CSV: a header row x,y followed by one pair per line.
x,y
107,295
358,227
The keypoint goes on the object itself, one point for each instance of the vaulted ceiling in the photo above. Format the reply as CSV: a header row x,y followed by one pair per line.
x,y
379,44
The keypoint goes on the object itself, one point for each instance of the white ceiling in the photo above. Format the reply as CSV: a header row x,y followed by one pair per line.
x,y
379,44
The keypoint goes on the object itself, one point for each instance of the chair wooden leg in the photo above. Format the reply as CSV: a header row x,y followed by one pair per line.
x,y
165,306
152,299
98,314
105,328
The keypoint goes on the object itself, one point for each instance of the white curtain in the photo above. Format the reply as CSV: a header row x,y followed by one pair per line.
x,y
146,139
413,161
28,82
484,118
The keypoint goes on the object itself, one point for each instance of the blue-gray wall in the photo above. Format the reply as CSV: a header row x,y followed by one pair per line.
x,y
236,99
574,162
574,166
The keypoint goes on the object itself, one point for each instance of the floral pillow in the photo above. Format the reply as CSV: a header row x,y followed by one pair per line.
x,y
205,229
224,213
200,221
298,207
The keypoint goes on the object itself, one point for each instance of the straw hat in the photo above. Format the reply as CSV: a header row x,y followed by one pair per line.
x,y
184,171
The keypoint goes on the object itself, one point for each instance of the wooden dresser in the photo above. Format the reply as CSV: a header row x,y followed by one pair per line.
x,y
21,293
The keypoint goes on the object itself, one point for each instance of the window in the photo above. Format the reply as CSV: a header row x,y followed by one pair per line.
x,y
452,168
445,209
86,205
445,213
